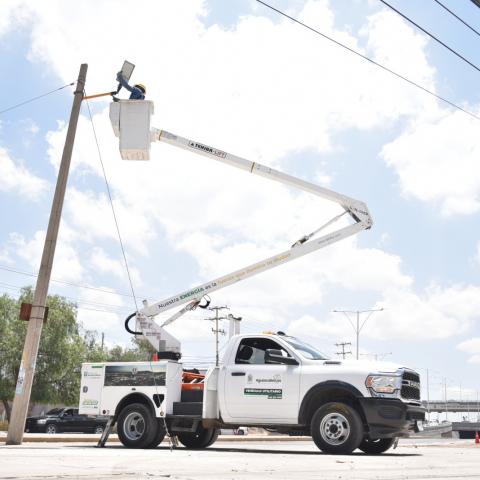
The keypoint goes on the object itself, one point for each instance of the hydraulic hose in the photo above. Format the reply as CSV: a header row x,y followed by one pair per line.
x,y
127,328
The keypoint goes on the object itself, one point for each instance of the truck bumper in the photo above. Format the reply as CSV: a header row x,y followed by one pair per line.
x,y
390,417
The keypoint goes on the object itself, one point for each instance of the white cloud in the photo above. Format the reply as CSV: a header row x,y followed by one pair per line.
x,y
99,310
436,160
5,256
438,312
91,214
15,177
12,14
245,99
102,262
474,359
67,265
472,347
435,313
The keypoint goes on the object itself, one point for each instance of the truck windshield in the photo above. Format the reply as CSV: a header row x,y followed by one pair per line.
x,y
304,349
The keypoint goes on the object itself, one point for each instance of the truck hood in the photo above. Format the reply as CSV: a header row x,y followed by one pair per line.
x,y
360,366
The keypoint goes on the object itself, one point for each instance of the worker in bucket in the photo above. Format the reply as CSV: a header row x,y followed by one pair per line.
x,y
137,92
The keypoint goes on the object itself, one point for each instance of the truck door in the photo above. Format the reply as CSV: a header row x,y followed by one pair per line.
x,y
254,389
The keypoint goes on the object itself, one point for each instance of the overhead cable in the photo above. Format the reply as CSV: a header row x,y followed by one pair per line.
x,y
431,35
36,98
113,209
77,306
457,17
70,284
368,59
75,300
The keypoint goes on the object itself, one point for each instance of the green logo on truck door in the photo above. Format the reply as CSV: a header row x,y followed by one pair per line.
x,y
271,393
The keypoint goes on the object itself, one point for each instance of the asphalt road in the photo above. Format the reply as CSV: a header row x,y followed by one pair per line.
x,y
420,459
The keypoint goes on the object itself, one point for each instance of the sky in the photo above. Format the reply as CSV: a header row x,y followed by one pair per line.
x,y
240,77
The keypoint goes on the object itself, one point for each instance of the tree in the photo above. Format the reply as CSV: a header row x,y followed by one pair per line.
x,y
10,341
140,351
61,351
64,346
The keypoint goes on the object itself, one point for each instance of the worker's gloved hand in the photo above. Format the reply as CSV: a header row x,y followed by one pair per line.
x,y
119,76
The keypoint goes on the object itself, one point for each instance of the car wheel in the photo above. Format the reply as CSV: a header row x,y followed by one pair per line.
x,y
337,428
51,429
376,446
98,430
202,438
136,426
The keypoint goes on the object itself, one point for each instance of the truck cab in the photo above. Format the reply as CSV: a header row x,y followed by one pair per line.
x,y
268,380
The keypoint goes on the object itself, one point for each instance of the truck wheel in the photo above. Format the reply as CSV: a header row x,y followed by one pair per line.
x,y
161,432
202,438
136,426
377,445
337,428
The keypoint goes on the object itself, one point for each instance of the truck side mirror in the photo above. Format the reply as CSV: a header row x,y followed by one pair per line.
x,y
275,356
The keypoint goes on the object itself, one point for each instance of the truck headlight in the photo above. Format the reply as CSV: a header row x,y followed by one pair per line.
x,y
382,383
42,421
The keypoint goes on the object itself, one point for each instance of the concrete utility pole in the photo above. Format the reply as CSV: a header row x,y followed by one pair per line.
x,y
217,330
358,328
37,315
343,345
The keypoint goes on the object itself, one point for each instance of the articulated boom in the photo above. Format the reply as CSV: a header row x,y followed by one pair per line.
x,y
358,211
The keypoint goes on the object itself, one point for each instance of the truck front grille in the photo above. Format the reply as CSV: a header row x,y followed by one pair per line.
x,y
410,386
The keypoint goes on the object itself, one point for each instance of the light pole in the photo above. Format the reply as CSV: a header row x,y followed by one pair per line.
x,y
358,327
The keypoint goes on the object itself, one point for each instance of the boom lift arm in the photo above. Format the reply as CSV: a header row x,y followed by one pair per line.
x,y
357,210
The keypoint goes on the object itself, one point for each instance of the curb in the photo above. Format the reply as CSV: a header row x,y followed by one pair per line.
x,y
113,438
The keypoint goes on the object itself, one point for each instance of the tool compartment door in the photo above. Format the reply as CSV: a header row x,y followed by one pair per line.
x,y
91,388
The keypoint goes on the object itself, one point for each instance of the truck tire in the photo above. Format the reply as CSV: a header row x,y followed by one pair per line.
x,y
376,446
202,438
337,428
160,435
136,426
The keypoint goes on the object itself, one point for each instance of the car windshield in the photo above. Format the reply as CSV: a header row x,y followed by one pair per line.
x,y
54,411
305,349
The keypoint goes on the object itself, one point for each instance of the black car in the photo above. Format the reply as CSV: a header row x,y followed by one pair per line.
x,y
65,420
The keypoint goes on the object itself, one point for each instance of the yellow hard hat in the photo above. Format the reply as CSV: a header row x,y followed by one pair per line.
x,y
142,87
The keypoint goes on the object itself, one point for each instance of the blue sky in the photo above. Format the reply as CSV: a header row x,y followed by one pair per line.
x,y
238,76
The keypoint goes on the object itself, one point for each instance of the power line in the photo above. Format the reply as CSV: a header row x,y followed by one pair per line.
x,y
355,52
70,284
457,17
75,300
77,306
36,98
431,35
358,327
343,345
111,204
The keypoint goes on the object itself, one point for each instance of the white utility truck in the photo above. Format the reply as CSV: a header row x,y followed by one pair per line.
x,y
267,380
